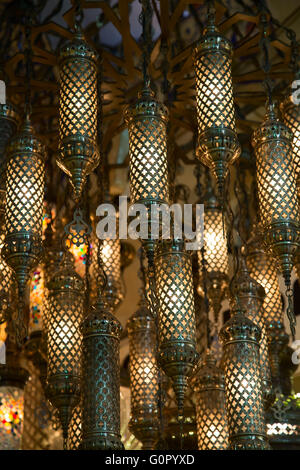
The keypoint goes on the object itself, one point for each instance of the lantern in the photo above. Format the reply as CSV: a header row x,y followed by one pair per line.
x,y
208,384
144,377
176,316
251,295
78,108
278,202
291,118
147,128
101,380
24,211
66,296
218,145
243,385
9,121
36,301
215,252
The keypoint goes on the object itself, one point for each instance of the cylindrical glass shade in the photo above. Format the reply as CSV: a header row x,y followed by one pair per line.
x,y
176,314
144,377
110,255
78,108
147,128
208,384
243,385
11,417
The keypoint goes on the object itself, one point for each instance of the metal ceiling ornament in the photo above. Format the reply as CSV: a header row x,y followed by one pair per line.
x,y
144,376
208,384
66,299
22,248
277,195
101,333
243,385
251,295
78,110
218,145
177,353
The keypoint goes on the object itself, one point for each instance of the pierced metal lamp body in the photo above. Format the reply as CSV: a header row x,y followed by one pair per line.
x,y
251,295
176,314
243,385
9,120
78,107
25,173
101,380
144,377
218,145
147,127
66,297
208,384
277,194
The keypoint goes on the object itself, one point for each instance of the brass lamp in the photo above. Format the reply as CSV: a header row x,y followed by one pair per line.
x,y
208,384
243,386
277,194
218,145
23,212
176,315
144,376
66,296
78,108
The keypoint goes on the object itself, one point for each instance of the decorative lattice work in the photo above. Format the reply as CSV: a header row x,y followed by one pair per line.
x,y
64,338
24,192
291,118
263,269
176,297
276,183
215,243
74,434
147,150
214,97
36,414
101,381
5,270
8,126
208,384
243,384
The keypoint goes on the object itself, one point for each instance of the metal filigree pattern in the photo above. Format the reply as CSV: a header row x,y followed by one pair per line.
x,y
208,384
218,144
101,380
144,377
243,386
66,296
78,105
74,434
277,195
147,121
110,255
291,118
176,316
9,121
250,296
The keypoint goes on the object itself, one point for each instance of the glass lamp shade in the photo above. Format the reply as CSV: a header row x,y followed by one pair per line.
x,y
176,314
66,297
277,193
11,417
208,384
218,145
78,108
144,377
243,385
291,118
